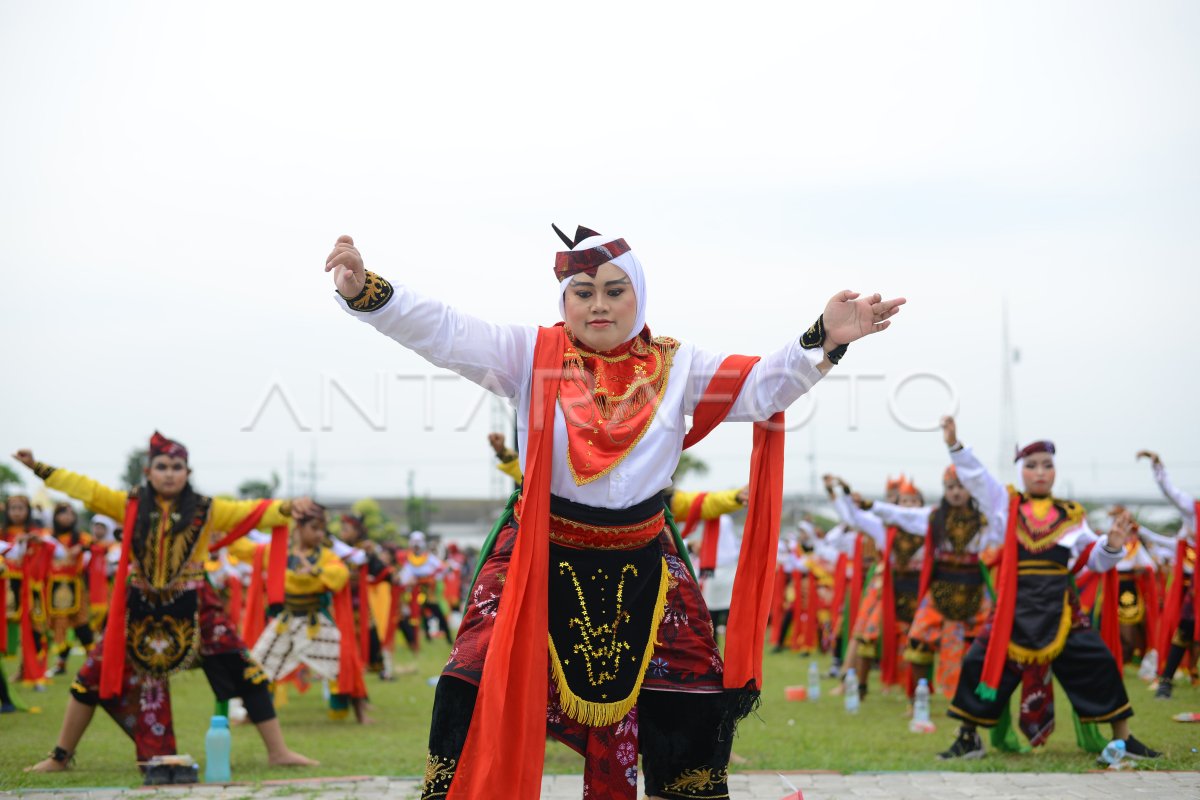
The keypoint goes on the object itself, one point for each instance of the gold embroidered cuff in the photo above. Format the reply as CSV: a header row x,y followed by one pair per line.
x,y
42,470
375,294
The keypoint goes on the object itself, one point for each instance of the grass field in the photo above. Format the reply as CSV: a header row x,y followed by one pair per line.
x,y
784,735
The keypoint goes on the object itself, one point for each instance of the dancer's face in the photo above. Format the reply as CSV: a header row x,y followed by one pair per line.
x,y
600,311
956,494
168,475
310,532
17,511
910,501
99,531
892,496
65,518
1038,473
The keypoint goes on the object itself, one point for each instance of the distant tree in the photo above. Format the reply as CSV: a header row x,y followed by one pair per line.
x,y
420,511
688,463
379,528
254,489
135,466
8,478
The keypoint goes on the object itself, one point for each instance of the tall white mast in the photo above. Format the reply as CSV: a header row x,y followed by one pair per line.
x,y
1008,408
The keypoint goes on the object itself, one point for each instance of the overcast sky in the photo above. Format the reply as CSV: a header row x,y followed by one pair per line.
x,y
173,175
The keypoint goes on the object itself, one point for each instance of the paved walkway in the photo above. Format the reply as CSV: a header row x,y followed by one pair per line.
x,y
743,786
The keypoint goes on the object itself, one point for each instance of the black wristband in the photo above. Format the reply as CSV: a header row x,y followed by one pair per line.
x,y
814,338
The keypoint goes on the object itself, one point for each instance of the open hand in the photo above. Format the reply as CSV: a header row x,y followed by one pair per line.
x,y
1150,454
305,508
849,317
1123,529
349,274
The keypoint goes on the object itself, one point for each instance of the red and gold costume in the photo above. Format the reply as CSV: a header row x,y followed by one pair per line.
x,y
165,614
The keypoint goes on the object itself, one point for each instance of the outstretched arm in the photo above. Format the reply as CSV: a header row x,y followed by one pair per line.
x,y
909,520
497,357
869,524
96,496
779,379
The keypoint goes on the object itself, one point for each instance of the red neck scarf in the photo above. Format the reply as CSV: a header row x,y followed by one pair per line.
x,y
609,400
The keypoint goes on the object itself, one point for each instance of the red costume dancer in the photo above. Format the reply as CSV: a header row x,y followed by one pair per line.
x,y
24,585
164,616
585,618
1037,619
881,629
69,605
1179,630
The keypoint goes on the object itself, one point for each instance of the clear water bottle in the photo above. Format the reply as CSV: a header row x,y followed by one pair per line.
x,y
217,744
814,681
1114,753
921,722
851,695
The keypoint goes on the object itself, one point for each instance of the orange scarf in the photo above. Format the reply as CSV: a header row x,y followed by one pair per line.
x,y
1006,606
256,613
350,666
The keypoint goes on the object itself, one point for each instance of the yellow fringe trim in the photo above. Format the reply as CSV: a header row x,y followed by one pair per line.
x,y
599,715
1044,655
921,657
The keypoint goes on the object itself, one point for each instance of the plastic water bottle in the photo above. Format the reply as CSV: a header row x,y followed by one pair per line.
x,y
814,681
1114,753
920,719
1148,671
217,743
851,695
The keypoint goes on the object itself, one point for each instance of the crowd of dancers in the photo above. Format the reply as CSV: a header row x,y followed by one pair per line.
x,y
585,617
259,594
995,589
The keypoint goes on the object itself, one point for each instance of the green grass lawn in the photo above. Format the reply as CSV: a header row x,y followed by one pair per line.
x,y
783,736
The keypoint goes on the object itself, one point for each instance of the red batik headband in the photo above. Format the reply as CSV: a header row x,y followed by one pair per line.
x,y
572,262
1043,446
162,446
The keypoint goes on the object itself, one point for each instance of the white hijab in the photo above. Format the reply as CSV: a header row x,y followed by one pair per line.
x,y
629,264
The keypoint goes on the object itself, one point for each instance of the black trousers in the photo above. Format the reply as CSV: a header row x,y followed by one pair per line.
x,y
668,723
1085,668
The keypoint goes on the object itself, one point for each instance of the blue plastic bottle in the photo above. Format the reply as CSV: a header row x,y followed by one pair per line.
x,y
217,744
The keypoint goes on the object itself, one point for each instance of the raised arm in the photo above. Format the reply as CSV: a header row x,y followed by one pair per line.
x,y
1182,501
991,495
910,520
779,379
497,357
96,496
